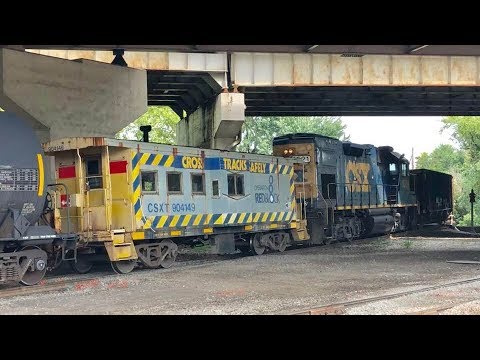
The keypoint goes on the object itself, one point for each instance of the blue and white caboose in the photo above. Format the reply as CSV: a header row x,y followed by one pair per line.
x,y
138,200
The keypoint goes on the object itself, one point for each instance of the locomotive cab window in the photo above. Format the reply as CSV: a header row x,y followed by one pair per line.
x,y
174,183
393,169
235,184
149,181
404,169
94,172
198,184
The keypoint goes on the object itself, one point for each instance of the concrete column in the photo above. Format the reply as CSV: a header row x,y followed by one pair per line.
x,y
63,98
216,125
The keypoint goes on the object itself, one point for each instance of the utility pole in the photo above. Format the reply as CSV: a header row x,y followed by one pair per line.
x,y
472,200
412,161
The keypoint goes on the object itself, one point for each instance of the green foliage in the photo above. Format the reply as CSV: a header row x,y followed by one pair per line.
x,y
258,131
462,164
407,244
466,131
444,158
163,121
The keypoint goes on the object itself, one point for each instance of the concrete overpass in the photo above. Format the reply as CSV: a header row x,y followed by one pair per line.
x,y
212,87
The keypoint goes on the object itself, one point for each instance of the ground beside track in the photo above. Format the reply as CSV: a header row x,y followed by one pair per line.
x,y
282,283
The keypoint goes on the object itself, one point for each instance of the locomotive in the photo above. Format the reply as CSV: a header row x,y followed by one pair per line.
x,y
348,190
133,203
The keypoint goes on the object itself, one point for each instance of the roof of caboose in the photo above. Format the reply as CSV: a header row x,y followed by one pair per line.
x,y
74,143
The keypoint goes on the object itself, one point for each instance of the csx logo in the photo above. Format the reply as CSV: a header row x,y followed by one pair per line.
x,y
357,174
235,164
192,162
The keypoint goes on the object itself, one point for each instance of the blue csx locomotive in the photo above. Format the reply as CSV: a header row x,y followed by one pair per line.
x,y
348,190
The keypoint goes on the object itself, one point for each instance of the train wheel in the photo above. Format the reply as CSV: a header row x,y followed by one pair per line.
x,y
283,243
40,268
255,245
168,254
82,266
124,266
150,256
245,250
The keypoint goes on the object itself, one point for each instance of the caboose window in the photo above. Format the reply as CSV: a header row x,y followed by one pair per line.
x,y
235,184
94,173
198,184
149,181
174,183
215,189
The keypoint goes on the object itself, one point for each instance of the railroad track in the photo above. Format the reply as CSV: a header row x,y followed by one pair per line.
x,y
341,307
94,280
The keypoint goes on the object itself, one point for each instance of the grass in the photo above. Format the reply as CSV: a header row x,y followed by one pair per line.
x,y
200,249
382,243
407,244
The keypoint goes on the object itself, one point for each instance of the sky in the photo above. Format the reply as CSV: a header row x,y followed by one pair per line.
x,y
422,133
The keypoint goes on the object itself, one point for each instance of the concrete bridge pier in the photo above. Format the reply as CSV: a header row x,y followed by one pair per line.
x,y
215,125
63,98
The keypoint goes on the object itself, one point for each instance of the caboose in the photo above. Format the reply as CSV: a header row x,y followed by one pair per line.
x,y
348,190
139,200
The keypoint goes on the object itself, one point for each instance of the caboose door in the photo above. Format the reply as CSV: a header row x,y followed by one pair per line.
x,y
97,191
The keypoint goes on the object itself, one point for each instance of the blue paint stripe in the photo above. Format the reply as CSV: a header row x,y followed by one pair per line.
x,y
169,220
213,163
163,161
150,159
245,218
155,222
135,160
177,162
180,220
214,218
136,183
137,206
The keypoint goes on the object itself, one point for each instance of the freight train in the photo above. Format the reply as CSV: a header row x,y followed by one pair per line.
x,y
132,203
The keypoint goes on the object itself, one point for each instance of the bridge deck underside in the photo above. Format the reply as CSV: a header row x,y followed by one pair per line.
x,y
361,100
182,91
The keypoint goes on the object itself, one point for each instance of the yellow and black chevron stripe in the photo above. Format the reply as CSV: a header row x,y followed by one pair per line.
x,y
189,220
138,160
293,202
280,169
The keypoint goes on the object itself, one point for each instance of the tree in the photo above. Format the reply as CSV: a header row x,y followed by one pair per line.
x,y
444,158
466,131
258,131
163,121
462,164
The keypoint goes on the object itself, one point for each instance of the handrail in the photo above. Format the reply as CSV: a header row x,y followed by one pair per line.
x,y
362,187
68,199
